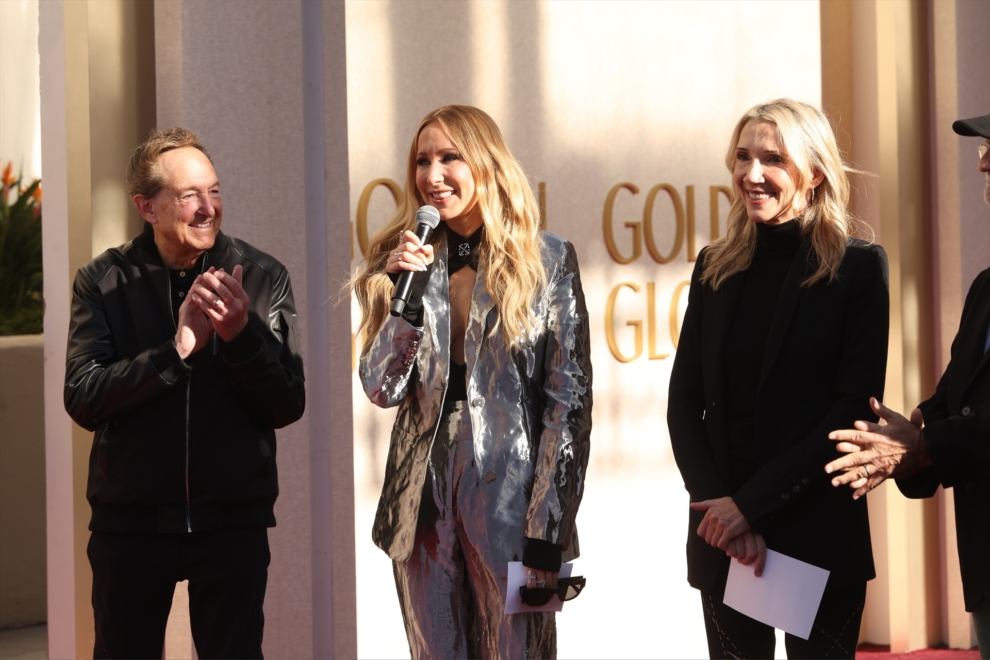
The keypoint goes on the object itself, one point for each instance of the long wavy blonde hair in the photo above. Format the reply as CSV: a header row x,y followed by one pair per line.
x,y
510,247
808,143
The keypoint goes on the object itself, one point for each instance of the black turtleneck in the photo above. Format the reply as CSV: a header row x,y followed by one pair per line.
x,y
776,247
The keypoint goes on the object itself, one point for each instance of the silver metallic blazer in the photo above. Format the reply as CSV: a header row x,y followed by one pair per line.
x,y
530,409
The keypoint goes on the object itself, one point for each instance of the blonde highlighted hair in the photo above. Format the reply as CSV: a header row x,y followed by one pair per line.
x,y
510,247
808,143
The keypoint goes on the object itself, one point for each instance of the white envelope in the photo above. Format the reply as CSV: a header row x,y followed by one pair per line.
x,y
517,578
787,596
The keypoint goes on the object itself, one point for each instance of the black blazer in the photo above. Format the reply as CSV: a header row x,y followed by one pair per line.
x,y
957,430
825,356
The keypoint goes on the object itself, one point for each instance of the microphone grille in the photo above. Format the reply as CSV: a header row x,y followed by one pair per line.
x,y
428,215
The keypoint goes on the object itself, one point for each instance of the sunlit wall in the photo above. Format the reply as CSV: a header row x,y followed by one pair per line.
x,y
599,101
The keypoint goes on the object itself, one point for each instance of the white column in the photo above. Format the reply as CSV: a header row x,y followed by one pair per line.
x,y
266,90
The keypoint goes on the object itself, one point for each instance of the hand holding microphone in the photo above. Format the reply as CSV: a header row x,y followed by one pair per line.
x,y
412,256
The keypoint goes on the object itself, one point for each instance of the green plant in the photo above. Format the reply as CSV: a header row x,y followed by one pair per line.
x,y
21,303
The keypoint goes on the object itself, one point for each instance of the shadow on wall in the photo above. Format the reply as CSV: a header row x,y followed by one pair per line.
x,y
23,579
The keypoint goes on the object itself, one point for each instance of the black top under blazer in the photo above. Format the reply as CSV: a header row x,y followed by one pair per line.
x,y
957,431
826,355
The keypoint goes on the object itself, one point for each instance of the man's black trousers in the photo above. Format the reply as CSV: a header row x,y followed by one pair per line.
x,y
134,577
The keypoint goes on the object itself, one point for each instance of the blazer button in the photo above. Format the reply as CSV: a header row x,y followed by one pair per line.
x,y
477,403
785,496
805,480
966,411
490,476
796,489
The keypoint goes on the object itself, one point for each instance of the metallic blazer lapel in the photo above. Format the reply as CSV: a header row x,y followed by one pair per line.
x,y
438,311
479,323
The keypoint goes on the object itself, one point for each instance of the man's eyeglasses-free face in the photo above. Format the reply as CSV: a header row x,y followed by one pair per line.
x,y
566,589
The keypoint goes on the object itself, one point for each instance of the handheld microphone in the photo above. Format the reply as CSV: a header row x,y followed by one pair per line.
x,y
427,218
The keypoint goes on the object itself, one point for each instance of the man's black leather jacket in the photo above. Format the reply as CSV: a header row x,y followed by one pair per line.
x,y
180,446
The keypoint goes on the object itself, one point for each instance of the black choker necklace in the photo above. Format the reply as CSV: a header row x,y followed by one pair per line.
x,y
462,251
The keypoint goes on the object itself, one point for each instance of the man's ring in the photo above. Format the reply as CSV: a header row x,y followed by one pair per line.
x,y
216,301
867,468
530,576
541,583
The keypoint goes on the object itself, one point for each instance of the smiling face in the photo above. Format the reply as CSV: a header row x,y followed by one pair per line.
x,y
765,179
187,211
445,181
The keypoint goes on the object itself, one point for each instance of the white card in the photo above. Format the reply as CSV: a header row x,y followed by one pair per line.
x,y
787,596
517,578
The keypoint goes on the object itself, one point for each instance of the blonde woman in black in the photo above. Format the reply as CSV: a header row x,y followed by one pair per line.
x,y
784,340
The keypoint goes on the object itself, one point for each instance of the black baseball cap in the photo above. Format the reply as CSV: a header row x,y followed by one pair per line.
x,y
975,127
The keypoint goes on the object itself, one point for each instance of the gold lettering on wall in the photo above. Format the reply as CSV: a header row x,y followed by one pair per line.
x,y
613,345
684,222
637,324
651,321
651,245
362,211
610,245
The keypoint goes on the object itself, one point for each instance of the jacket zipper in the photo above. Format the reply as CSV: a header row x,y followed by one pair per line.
x,y
171,315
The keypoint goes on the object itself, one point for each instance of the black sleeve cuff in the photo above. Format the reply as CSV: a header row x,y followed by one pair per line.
x,y
541,555
413,316
168,363
243,347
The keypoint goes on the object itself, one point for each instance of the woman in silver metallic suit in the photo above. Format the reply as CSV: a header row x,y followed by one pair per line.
x,y
490,368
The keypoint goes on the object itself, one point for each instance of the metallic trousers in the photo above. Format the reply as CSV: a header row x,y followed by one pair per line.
x,y
452,590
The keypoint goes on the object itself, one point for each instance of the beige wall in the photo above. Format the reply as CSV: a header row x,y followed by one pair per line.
x,y
95,73
263,84
22,482
588,95
960,88
894,76
302,104
20,114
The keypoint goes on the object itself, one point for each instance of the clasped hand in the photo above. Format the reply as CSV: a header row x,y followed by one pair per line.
x,y
216,303
726,528
875,453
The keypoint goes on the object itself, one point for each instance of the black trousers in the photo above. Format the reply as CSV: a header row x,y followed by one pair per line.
x,y
835,633
134,577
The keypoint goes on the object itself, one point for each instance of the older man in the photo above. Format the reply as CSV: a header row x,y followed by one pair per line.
x,y
947,439
182,359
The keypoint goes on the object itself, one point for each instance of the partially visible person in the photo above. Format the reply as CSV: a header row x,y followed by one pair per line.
x,y
946,441
785,336
490,370
182,358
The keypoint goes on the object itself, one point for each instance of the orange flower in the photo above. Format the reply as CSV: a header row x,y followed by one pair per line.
x,y
37,194
8,176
